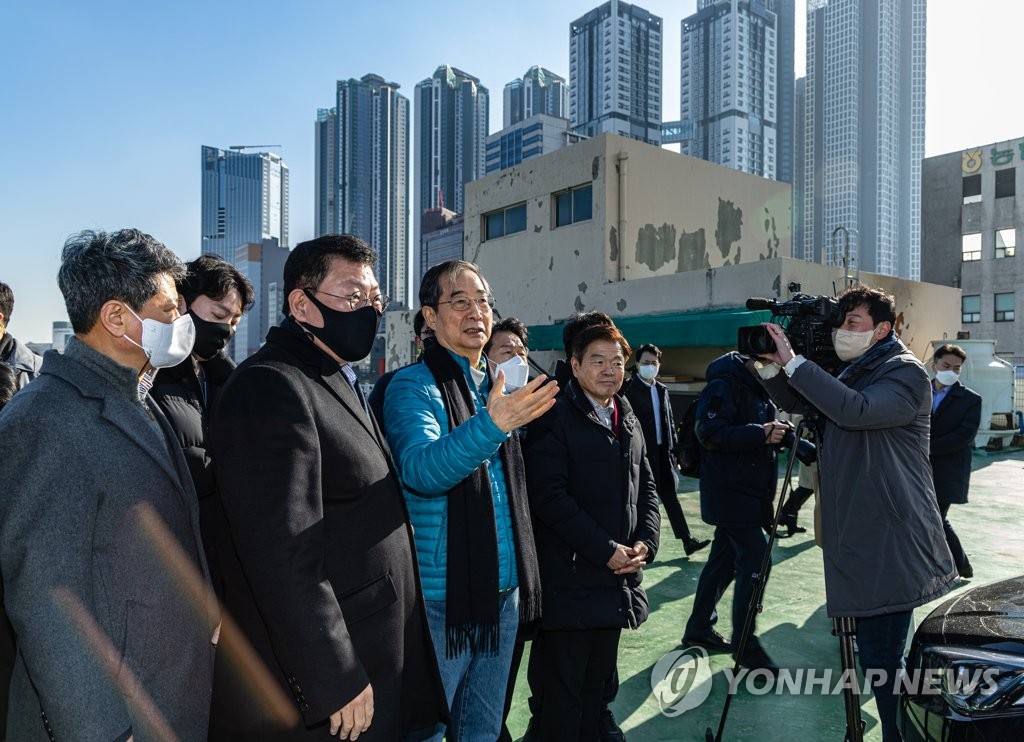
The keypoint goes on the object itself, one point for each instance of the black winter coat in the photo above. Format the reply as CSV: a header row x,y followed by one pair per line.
x,y
659,457
178,394
589,490
329,591
738,472
954,425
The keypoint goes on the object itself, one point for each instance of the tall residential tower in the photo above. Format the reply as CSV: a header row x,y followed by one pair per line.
x,y
362,174
615,72
244,199
865,98
452,120
538,91
734,89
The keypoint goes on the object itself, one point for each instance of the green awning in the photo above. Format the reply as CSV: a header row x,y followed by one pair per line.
x,y
697,329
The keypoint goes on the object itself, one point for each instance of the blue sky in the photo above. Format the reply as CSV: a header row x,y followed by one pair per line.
x,y
105,104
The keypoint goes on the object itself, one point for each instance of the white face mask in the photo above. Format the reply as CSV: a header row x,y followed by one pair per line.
x,y
852,345
947,377
517,372
165,344
648,370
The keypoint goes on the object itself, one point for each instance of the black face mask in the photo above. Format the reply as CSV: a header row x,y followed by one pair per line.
x,y
211,337
349,334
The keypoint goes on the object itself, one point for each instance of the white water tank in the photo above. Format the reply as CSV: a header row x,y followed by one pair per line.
x,y
992,378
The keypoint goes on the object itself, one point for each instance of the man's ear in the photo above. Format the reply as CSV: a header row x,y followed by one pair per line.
x,y
430,317
114,318
297,304
574,364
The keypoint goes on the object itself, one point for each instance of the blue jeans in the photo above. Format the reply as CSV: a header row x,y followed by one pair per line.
x,y
880,644
474,684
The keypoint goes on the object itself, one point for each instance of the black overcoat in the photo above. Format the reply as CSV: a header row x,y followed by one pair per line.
x,y
955,423
659,457
329,593
589,490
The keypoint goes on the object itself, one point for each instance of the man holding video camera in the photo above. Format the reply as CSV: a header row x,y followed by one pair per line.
x,y
882,537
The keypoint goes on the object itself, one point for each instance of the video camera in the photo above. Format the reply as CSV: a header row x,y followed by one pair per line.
x,y
808,322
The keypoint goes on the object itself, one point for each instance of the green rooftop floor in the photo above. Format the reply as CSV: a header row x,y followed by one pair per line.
x,y
793,626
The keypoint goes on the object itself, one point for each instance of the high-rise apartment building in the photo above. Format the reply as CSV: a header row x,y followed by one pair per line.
x,y
244,199
865,97
362,174
733,85
452,121
538,91
615,72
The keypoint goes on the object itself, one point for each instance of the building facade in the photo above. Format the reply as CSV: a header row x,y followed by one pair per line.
x,y
538,91
531,137
452,123
615,58
441,241
731,85
972,216
362,174
263,264
864,118
244,199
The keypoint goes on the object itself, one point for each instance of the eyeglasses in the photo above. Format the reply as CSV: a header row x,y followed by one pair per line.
x,y
462,304
359,299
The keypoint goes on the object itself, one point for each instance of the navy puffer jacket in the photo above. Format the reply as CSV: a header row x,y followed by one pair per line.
x,y
738,473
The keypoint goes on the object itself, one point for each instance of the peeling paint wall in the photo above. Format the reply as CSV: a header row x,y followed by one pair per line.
x,y
399,346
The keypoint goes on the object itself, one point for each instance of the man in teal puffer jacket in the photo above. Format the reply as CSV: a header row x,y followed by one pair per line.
x,y
462,473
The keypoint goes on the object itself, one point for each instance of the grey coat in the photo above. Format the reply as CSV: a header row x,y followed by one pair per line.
x,y
882,535
104,625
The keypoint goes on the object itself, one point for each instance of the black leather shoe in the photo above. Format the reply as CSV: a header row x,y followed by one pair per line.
x,y
755,658
710,640
789,523
692,545
608,728
967,571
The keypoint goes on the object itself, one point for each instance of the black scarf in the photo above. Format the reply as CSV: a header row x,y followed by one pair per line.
x,y
471,611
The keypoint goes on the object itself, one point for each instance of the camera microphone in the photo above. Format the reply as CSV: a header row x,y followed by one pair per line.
x,y
756,302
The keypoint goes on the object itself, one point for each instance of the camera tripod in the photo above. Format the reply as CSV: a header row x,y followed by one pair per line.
x,y
843,628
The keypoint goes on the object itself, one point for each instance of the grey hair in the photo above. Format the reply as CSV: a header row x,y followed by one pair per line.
x,y
445,274
96,267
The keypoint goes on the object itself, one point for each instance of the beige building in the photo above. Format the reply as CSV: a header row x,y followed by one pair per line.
x,y
700,239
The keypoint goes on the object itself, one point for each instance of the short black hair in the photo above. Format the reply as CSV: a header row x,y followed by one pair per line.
x,y
308,264
508,324
8,384
595,333
6,303
577,324
881,305
209,275
96,267
950,349
648,348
